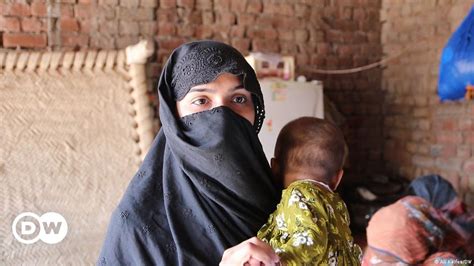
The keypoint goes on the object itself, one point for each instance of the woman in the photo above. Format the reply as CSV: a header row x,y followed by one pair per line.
x,y
205,184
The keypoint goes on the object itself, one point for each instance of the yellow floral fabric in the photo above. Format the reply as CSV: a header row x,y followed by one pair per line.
x,y
311,227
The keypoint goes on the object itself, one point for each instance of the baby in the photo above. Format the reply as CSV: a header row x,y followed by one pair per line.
x,y
311,223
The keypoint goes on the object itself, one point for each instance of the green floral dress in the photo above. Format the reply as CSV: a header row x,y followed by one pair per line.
x,y
311,227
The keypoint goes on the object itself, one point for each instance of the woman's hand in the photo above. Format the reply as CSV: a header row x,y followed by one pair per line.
x,y
252,252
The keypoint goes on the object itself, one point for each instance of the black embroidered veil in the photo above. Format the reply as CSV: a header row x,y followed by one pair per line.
x,y
205,184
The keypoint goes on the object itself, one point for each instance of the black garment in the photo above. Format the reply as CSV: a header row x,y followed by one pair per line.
x,y
204,186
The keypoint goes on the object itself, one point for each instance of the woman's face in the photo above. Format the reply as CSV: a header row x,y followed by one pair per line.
x,y
226,90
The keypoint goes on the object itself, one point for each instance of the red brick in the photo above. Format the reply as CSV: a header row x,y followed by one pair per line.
x,y
420,112
264,45
148,28
108,27
31,24
448,151
69,25
254,6
149,3
193,18
449,108
285,35
238,5
302,59
463,151
445,124
222,5
301,35
189,4
267,20
241,44
469,137
221,33
287,22
170,44
207,17
167,4
3,9
145,14
128,27
39,9
67,11
167,15
449,137
237,31
106,13
85,26
24,40
270,7
166,29
74,40
203,32
345,13
466,124
9,24
264,33
82,10
288,47
323,48
302,11
187,31
225,18
18,9
130,3
244,19
204,4
102,42
285,9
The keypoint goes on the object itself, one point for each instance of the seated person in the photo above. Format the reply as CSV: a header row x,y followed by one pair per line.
x,y
311,223
432,226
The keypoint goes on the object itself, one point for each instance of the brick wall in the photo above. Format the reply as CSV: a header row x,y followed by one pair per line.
x,y
423,135
75,24
328,34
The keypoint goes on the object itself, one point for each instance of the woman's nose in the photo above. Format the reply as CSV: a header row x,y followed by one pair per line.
x,y
217,102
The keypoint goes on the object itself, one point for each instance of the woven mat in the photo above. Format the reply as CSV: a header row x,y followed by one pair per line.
x,y
68,144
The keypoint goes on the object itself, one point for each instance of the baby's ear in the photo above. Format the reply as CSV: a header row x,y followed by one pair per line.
x,y
337,179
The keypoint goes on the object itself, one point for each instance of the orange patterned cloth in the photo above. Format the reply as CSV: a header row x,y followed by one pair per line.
x,y
408,232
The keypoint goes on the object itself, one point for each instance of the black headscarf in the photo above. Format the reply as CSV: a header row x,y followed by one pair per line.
x,y
205,184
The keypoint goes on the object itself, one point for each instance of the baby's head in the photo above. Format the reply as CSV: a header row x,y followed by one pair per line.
x,y
309,148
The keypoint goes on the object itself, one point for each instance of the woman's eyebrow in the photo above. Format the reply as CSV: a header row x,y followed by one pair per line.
x,y
240,86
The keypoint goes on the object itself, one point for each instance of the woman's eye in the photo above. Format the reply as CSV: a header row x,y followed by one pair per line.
x,y
240,99
200,101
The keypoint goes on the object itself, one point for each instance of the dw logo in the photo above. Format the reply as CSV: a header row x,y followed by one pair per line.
x,y
28,228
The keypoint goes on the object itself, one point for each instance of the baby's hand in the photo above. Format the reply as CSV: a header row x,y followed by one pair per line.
x,y
252,252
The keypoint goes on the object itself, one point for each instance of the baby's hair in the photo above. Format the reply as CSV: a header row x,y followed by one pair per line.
x,y
311,145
